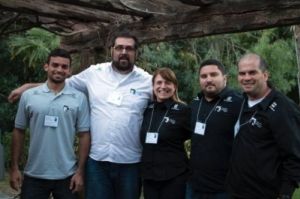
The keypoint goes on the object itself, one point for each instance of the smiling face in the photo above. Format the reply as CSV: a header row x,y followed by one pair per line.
x,y
212,81
123,54
252,78
58,69
163,89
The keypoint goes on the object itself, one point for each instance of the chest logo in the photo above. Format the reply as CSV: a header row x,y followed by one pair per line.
x,y
167,120
175,107
253,121
228,99
273,106
221,109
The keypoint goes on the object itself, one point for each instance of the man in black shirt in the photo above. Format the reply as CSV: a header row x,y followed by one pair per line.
x,y
214,113
266,151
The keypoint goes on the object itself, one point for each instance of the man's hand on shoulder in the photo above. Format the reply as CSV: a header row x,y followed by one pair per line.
x,y
16,93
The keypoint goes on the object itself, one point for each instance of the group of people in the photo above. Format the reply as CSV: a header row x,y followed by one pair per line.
x,y
132,127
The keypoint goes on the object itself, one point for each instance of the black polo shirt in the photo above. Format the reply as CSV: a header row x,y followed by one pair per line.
x,y
266,150
210,152
167,158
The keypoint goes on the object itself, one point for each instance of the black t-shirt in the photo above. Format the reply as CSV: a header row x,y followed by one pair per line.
x,y
164,156
211,150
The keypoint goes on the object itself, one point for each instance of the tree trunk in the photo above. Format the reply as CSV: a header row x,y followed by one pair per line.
x,y
297,39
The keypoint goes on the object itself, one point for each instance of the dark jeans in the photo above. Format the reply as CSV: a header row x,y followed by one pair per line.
x,y
106,180
193,194
35,188
168,189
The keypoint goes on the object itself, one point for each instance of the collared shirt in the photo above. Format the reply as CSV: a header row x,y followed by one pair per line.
x,y
51,153
116,111
211,150
266,150
166,158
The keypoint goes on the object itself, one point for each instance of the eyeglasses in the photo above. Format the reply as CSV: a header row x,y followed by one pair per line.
x,y
120,48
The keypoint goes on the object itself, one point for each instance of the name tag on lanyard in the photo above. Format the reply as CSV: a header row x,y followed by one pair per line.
x,y
200,128
151,138
51,121
236,127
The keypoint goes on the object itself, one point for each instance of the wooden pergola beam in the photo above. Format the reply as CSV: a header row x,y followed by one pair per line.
x,y
220,19
58,10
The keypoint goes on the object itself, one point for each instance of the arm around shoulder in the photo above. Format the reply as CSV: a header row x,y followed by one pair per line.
x,y
16,93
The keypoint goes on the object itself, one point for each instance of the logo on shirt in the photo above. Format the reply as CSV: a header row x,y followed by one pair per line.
x,y
135,92
66,108
228,99
273,106
99,68
167,120
253,121
221,109
132,91
151,106
175,107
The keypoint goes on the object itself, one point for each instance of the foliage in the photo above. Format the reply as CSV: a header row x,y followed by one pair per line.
x,y
33,46
9,78
297,194
281,58
176,57
19,58
184,57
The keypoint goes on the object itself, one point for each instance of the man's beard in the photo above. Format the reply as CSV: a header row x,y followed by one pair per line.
x,y
57,81
123,64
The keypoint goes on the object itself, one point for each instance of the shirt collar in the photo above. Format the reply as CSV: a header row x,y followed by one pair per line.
x,y
265,103
165,104
66,90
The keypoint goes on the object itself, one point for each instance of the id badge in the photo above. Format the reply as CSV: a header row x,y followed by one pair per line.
x,y
115,98
236,127
200,128
151,138
51,121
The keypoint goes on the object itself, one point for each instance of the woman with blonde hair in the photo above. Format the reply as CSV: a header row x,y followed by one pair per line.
x,y
165,128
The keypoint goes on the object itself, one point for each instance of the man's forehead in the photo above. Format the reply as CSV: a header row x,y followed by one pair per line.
x,y
58,59
210,69
125,40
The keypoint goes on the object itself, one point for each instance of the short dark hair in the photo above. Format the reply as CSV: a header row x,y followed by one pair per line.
x,y
213,62
59,52
125,35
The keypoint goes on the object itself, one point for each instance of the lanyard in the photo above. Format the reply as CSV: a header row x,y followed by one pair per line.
x,y
240,114
200,104
161,122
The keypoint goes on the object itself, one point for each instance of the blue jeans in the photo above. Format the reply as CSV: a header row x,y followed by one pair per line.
x,y
35,188
106,180
194,194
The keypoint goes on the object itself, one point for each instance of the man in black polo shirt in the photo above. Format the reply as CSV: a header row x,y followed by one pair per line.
x,y
214,113
266,150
